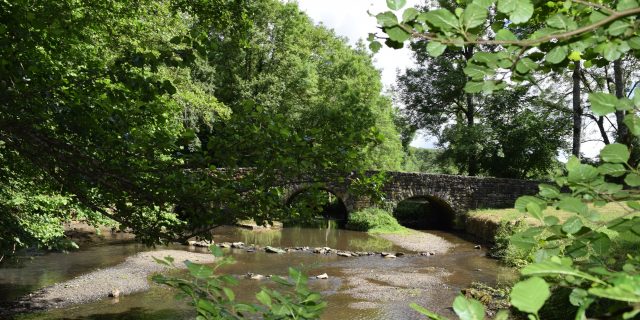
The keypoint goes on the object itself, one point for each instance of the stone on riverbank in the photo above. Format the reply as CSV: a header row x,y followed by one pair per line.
x,y
270,249
322,276
129,277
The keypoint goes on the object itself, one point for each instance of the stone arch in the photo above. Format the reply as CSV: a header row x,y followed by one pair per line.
x,y
425,211
341,197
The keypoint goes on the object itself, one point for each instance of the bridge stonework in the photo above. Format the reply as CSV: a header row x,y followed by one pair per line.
x,y
458,194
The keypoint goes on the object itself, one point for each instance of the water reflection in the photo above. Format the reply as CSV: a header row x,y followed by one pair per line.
x,y
461,266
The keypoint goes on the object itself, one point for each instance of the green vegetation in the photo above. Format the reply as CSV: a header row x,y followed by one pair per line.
x,y
123,110
375,220
609,211
573,260
213,298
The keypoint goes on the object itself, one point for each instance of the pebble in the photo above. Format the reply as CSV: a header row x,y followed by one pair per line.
x,y
477,247
344,254
322,276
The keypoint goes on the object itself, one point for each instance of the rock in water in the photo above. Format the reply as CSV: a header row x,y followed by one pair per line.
x,y
322,276
271,249
389,256
344,254
254,276
114,293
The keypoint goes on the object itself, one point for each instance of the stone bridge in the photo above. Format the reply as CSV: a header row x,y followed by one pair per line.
x,y
452,195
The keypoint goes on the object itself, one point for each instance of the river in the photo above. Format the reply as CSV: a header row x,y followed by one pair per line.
x,y
368,287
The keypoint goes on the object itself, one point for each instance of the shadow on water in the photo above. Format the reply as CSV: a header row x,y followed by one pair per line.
x,y
131,314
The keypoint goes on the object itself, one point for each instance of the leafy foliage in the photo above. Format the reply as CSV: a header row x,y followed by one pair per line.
x,y
128,108
373,220
213,298
574,254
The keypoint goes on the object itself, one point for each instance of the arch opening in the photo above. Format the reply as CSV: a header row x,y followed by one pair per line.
x,y
425,213
315,206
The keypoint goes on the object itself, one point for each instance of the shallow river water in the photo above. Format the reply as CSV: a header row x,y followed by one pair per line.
x,y
358,287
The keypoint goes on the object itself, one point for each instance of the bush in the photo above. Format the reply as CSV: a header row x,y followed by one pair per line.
x,y
373,220
504,250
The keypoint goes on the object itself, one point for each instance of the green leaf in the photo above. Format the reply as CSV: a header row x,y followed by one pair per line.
x,y
555,268
522,12
474,15
505,35
507,6
578,296
435,49
636,98
615,153
410,14
426,312
626,5
522,202
375,46
398,34
442,19
229,293
575,56
572,225
602,103
396,4
525,65
530,295
534,210
387,19
199,271
616,293
610,51
560,21
633,123
557,54
502,315
525,241
634,43
264,298
574,205
551,220
473,87
216,251
611,169
477,72
618,27
548,191
632,179
468,309
583,173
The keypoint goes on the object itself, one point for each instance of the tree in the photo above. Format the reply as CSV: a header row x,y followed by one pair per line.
x,y
431,95
127,110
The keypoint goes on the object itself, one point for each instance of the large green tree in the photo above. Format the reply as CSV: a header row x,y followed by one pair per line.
x,y
124,109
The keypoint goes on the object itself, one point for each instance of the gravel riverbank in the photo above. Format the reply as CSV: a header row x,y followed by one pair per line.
x,y
420,242
128,277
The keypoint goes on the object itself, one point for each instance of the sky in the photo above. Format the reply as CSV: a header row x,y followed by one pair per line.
x,y
349,18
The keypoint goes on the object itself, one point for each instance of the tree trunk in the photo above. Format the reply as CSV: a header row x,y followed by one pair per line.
x,y
577,110
472,162
622,135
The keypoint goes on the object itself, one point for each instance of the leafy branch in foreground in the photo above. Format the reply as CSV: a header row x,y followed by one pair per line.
x,y
587,254
213,298
526,36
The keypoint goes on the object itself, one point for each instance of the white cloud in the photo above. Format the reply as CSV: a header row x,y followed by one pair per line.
x,y
351,19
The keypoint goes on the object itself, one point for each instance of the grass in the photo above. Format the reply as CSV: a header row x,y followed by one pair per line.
x,y
609,211
376,221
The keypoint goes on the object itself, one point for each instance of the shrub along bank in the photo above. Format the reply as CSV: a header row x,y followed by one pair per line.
x,y
375,220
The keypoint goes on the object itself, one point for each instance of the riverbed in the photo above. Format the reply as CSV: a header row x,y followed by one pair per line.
x,y
366,287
